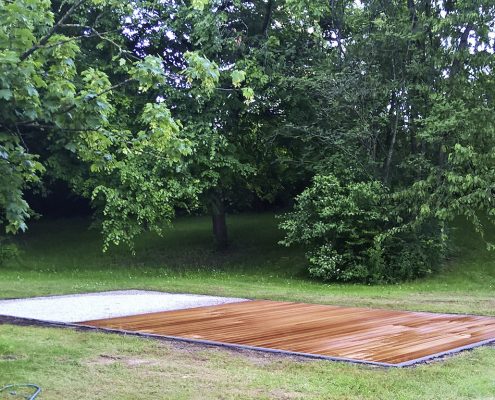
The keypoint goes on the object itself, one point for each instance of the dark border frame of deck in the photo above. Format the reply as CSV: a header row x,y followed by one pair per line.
x,y
6,319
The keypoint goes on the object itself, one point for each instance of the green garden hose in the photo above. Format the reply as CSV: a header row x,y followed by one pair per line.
x,y
12,390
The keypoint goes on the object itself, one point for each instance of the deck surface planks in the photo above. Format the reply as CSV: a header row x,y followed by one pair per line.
x,y
369,335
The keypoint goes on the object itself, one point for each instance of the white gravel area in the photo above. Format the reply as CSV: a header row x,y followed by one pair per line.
x,y
89,306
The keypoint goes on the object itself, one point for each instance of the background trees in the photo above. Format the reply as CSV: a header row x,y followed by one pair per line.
x,y
379,113
398,105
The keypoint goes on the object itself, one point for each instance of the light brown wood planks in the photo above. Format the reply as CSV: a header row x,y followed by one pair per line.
x,y
371,335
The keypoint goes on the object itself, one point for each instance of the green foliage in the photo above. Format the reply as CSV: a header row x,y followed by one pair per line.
x,y
406,253
149,73
95,102
248,94
238,77
85,118
404,96
202,69
337,222
18,169
394,100
348,231
199,4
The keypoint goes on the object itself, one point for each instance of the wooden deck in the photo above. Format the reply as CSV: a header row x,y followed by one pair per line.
x,y
365,335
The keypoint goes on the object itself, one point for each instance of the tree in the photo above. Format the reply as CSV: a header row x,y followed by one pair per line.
x,y
400,98
58,107
149,106
236,52
103,119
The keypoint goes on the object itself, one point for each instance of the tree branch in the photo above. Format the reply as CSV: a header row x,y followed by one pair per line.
x,y
47,126
69,109
32,123
71,39
45,38
95,33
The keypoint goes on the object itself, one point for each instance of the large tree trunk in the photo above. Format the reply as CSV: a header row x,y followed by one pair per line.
x,y
219,222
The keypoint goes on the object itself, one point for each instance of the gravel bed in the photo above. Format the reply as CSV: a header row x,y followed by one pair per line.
x,y
89,306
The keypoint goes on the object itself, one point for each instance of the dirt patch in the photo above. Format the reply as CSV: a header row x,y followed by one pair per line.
x,y
203,352
109,359
132,362
283,395
104,359
275,394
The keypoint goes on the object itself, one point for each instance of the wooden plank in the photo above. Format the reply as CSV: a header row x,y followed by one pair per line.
x,y
384,336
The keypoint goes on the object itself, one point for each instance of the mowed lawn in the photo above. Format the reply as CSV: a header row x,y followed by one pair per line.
x,y
63,256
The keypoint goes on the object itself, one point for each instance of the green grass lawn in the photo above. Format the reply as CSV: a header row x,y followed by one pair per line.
x,y
65,257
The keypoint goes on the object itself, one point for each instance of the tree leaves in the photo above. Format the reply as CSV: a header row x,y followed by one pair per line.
x,y
56,93
201,69
238,77
245,99
199,4
5,94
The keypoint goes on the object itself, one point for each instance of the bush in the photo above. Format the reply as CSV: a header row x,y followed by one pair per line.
x,y
350,233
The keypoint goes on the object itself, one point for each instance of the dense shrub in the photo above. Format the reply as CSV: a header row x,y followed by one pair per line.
x,y
350,233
